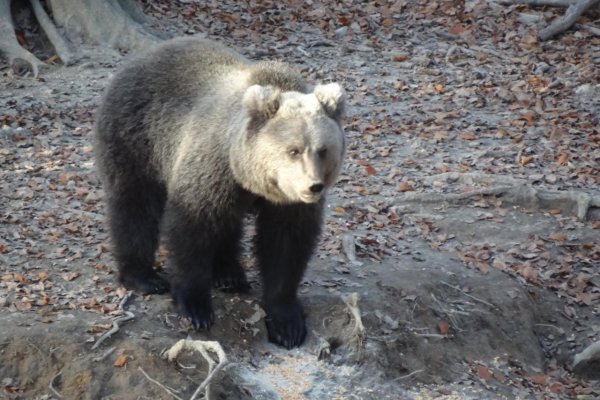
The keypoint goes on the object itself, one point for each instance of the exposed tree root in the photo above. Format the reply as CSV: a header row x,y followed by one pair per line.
x,y
117,24
515,191
115,324
358,331
112,23
203,347
587,363
575,8
21,61
60,45
560,25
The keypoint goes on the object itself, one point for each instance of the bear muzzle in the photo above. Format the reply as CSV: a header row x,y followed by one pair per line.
x,y
313,193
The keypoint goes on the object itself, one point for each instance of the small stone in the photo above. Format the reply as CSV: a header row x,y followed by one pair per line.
x,y
536,177
341,32
551,178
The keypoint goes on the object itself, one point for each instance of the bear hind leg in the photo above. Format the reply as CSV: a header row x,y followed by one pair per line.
x,y
228,274
192,245
135,212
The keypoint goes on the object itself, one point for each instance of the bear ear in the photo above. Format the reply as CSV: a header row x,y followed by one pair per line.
x,y
332,98
261,102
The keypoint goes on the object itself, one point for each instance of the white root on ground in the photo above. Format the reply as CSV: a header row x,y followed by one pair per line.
x,y
358,331
203,347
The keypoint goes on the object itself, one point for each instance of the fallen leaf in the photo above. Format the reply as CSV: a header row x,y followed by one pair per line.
x,y
558,237
457,29
370,170
524,160
467,136
539,379
556,388
530,274
120,361
483,372
443,327
529,116
405,187
69,276
482,267
563,159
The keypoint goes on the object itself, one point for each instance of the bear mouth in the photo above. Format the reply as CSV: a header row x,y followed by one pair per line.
x,y
310,198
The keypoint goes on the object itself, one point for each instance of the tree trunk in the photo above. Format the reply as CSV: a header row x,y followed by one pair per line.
x,y
117,24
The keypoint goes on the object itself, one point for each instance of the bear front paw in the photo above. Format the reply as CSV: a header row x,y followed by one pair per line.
x,y
194,305
149,282
285,325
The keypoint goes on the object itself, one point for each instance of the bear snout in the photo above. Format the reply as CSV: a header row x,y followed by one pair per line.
x,y
316,187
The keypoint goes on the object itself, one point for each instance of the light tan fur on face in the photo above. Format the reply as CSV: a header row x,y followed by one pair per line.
x,y
302,123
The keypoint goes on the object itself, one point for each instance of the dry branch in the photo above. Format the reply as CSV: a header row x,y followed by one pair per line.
x,y
469,295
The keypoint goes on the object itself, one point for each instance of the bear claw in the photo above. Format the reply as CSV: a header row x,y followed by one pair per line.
x,y
194,304
232,284
286,326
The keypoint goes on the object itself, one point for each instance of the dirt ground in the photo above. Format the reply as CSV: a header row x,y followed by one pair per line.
x,y
461,249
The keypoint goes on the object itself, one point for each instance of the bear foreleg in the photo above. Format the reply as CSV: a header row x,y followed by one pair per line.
x,y
286,238
228,274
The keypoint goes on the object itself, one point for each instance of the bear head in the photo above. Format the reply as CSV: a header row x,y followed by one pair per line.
x,y
292,144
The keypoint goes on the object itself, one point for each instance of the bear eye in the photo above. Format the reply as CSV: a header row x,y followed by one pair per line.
x,y
322,153
294,153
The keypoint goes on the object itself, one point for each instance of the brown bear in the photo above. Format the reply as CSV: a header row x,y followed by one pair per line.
x,y
189,138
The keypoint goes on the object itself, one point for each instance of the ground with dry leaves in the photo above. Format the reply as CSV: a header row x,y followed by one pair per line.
x,y
467,218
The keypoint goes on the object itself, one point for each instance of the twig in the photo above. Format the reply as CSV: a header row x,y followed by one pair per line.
x,y
51,384
469,295
166,389
409,375
304,52
203,347
104,355
115,324
433,335
561,330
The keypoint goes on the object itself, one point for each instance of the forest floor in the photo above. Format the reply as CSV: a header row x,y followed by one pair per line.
x,y
460,257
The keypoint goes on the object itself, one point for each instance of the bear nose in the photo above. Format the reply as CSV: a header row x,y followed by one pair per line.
x,y
316,188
